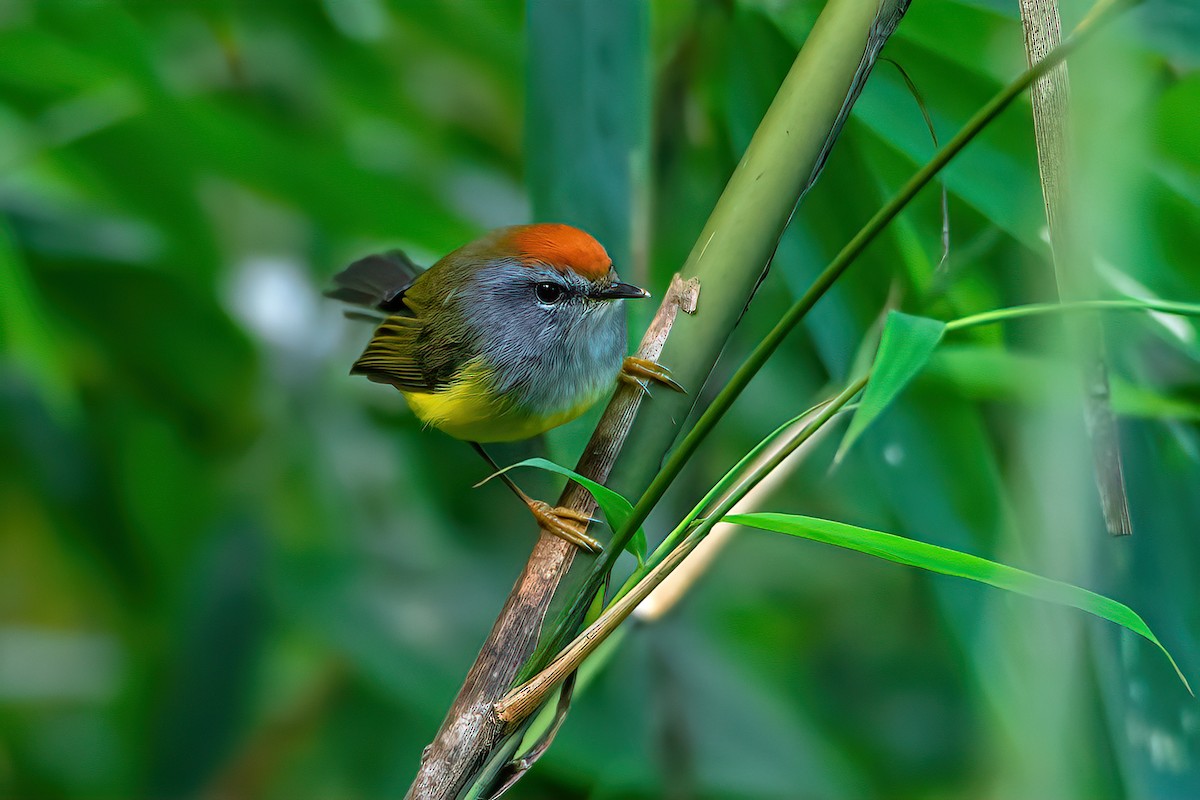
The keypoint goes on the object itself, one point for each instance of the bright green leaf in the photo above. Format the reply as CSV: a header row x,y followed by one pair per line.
x,y
906,346
615,507
952,562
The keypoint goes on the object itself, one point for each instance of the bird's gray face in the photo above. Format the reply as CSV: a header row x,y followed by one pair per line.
x,y
542,326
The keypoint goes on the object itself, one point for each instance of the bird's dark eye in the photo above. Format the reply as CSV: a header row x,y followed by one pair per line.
x,y
549,293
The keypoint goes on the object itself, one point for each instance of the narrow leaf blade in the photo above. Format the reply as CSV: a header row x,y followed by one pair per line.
x,y
902,550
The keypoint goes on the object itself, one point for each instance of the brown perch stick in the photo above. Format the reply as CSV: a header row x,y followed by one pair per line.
x,y
470,730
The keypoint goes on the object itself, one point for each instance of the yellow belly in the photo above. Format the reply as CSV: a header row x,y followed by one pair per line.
x,y
465,411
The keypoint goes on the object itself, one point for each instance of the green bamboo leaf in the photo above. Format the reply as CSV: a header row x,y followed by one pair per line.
x,y
952,562
905,348
615,507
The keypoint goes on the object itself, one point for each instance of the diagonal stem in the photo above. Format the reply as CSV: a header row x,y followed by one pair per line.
x,y
1101,12
526,698
568,620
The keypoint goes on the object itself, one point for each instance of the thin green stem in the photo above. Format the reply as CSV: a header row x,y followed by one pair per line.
x,y
828,410
1042,309
722,486
529,696
569,618
726,397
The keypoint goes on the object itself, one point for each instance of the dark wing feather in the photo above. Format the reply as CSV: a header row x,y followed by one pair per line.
x,y
377,281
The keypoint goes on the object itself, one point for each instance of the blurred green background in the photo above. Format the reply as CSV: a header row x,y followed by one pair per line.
x,y
227,569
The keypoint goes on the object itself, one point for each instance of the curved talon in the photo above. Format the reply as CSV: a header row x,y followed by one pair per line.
x,y
565,523
572,514
625,377
638,369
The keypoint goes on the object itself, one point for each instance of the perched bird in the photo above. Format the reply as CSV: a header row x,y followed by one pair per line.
x,y
502,339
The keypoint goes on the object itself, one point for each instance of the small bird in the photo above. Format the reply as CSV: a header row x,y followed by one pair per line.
x,y
503,339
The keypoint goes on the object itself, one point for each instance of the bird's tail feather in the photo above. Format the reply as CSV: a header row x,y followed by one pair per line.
x,y
377,281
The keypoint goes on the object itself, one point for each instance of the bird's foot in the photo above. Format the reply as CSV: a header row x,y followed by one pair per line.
x,y
638,370
565,523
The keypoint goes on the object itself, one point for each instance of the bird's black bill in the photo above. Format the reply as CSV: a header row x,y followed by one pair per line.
x,y
621,291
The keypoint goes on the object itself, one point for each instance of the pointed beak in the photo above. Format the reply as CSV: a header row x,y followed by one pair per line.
x,y
621,291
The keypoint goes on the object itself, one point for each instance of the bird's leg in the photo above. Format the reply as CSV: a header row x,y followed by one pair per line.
x,y
636,370
565,523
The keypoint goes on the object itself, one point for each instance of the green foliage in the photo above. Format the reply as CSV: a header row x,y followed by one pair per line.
x,y
231,569
909,342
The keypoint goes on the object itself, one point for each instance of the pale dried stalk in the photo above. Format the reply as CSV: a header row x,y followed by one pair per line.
x,y
470,731
668,593
525,699
678,583
1051,97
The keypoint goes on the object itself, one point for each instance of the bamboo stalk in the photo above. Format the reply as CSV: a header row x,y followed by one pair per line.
x,y
1051,96
664,475
782,162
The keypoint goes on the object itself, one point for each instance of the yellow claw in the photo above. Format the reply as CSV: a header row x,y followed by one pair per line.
x,y
565,523
635,370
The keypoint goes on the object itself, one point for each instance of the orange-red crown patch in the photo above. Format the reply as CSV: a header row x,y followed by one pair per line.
x,y
560,246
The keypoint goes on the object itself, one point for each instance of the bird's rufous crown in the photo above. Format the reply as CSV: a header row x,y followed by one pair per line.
x,y
560,246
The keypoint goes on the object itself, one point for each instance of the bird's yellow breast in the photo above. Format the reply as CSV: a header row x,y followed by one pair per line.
x,y
466,410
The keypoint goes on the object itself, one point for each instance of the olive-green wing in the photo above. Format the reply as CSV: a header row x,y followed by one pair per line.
x,y
391,355
405,350
381,282
410,352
